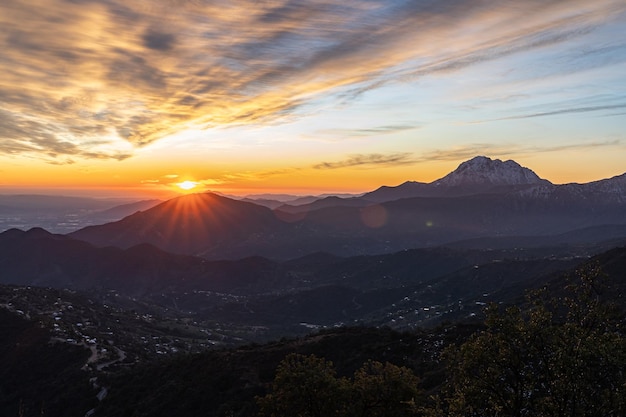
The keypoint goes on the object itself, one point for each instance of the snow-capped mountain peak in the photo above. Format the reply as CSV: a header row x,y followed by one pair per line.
x,y
485,171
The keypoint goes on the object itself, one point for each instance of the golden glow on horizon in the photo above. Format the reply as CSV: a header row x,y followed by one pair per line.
x,y
164,180
305,97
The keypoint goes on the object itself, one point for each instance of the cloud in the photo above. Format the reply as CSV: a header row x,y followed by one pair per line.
x,y
369,131
607,104
21,134
159,41
250,176
100,78
567,111
507,150
374,160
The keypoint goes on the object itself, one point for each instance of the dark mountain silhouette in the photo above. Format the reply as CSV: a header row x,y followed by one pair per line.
x,y
324,203
37,257
418,287
482,175
604,236
270,204
194,224
481,198
475,176
407,189
421,221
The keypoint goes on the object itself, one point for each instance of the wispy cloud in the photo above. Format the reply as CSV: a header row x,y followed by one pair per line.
x,y
367,131
508,150
374,160
21,134
99,78
566,111
607,104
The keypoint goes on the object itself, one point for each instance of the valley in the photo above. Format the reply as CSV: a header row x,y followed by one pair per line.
x,y
208,276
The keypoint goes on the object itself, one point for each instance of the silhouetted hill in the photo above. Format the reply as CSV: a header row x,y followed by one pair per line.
x,y
320,289
37,257
479,175
421,221
604,236
393,296
482,175
194,224
323,203
482,198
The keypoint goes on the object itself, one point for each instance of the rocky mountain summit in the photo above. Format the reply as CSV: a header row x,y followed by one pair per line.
x,y
482,170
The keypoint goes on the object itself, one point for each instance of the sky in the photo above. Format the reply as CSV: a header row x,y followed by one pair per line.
x,y
135,97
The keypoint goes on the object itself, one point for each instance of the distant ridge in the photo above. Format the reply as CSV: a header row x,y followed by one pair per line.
x,y
191,224
482,198
475,176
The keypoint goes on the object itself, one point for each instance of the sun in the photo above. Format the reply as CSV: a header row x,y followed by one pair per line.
x,y
187,185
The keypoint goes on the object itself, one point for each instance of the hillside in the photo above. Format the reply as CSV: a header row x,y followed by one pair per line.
x,y
193,224
223,381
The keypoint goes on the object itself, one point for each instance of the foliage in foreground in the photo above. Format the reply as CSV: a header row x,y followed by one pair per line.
x,y
307,386
562,354
563,357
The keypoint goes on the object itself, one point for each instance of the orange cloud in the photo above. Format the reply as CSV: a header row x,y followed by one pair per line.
x,y
98,79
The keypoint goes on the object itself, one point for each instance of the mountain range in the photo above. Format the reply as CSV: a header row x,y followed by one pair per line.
x,y
364,255
362,252
85,315
481,198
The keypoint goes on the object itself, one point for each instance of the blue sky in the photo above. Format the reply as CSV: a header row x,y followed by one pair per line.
x,y
319,95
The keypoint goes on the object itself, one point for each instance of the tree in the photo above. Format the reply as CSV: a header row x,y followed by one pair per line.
x,y
306,386
564,357
381,390
495,372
